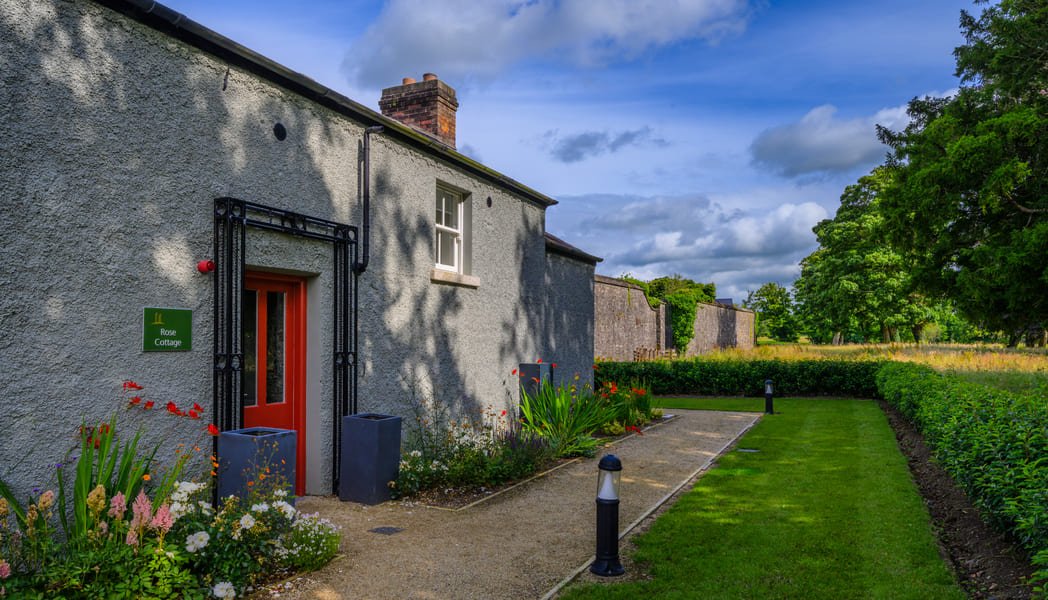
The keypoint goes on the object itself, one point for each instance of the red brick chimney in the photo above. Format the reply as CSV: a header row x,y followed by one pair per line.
x,y
428,106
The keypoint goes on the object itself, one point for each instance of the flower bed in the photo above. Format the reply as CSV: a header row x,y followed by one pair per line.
x,y
122,527
452,462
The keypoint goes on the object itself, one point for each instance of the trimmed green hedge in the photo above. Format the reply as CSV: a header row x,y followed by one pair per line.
x,y
746,377
994,443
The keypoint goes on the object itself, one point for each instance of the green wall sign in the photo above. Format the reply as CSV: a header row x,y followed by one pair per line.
x,y
167,329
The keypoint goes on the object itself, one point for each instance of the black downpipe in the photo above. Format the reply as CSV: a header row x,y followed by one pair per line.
x,y
365,230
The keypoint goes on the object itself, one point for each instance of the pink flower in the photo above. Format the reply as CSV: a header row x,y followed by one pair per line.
x,y
5,569
142,510
132,537
162,520
117,506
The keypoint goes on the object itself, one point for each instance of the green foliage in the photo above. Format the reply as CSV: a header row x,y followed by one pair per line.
x,y
994,443
775,312
746,377
443,452
682,305
643,285
310,544
682,296
855,282
970,198
565,417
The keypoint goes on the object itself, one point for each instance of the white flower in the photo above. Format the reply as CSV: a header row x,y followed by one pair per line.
x,y
224,590
416,453
247,522
206,507
286,509
197,541
280,494
178,510
260,507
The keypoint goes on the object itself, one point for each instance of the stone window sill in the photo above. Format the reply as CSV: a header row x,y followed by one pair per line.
x,y
449,278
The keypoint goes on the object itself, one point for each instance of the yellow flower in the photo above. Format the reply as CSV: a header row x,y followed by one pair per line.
x,y
96,500
46,500
3,508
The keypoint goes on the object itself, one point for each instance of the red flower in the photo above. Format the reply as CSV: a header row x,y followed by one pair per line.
x,y
135,400
198,408
194,414
503,413
553,365
539,360
634,429
131,385
149,404
171,408
211,429
639,391
513,372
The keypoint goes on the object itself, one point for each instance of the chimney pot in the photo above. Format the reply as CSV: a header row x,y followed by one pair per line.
x,y
428,106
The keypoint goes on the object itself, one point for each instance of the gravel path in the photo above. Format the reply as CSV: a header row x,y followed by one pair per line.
x,y
518,544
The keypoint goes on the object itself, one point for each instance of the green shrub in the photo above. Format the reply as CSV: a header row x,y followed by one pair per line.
x,y
565,417
994,443
310,544
720,377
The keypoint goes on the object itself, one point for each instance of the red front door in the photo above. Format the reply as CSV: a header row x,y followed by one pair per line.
x,y
274,322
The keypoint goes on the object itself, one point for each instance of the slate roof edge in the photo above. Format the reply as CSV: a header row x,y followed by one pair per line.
x,y
558,246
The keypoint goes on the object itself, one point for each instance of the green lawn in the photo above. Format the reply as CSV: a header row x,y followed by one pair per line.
x,y
825,509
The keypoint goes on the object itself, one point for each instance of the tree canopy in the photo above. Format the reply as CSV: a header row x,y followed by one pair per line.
x,y
968,204
774,308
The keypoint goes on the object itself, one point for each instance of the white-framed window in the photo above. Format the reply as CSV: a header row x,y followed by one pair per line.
x,y
450,230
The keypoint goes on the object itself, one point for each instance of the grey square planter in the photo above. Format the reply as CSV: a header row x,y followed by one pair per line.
x,y
242,453
370,457
529,373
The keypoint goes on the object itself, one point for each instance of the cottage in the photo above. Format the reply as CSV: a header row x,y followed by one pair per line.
x,y
181,211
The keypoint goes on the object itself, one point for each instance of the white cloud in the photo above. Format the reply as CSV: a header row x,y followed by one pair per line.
x,y
822,143
690,235
463,39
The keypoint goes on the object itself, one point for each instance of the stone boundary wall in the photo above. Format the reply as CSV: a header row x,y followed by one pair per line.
x,y
623,322
718,326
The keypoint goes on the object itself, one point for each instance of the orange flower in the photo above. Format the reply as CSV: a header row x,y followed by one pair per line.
x,y
145,477
211,429
250,483
213,474
135,400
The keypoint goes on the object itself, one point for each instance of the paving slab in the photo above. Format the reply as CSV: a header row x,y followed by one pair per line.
x,y
521,543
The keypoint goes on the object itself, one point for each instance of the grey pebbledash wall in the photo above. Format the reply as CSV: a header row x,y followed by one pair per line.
x,y
624,322
118,138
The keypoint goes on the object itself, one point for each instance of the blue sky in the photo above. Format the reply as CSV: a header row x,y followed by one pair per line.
x,y
699,137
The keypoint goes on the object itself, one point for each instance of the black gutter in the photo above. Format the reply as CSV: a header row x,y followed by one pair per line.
x,y
174,24
365,231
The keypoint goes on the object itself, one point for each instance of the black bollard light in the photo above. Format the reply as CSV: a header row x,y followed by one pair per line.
x,y
607,562
768,403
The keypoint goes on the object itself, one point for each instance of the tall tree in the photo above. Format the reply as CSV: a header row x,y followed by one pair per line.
x,y
970,200
774,308
856,282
